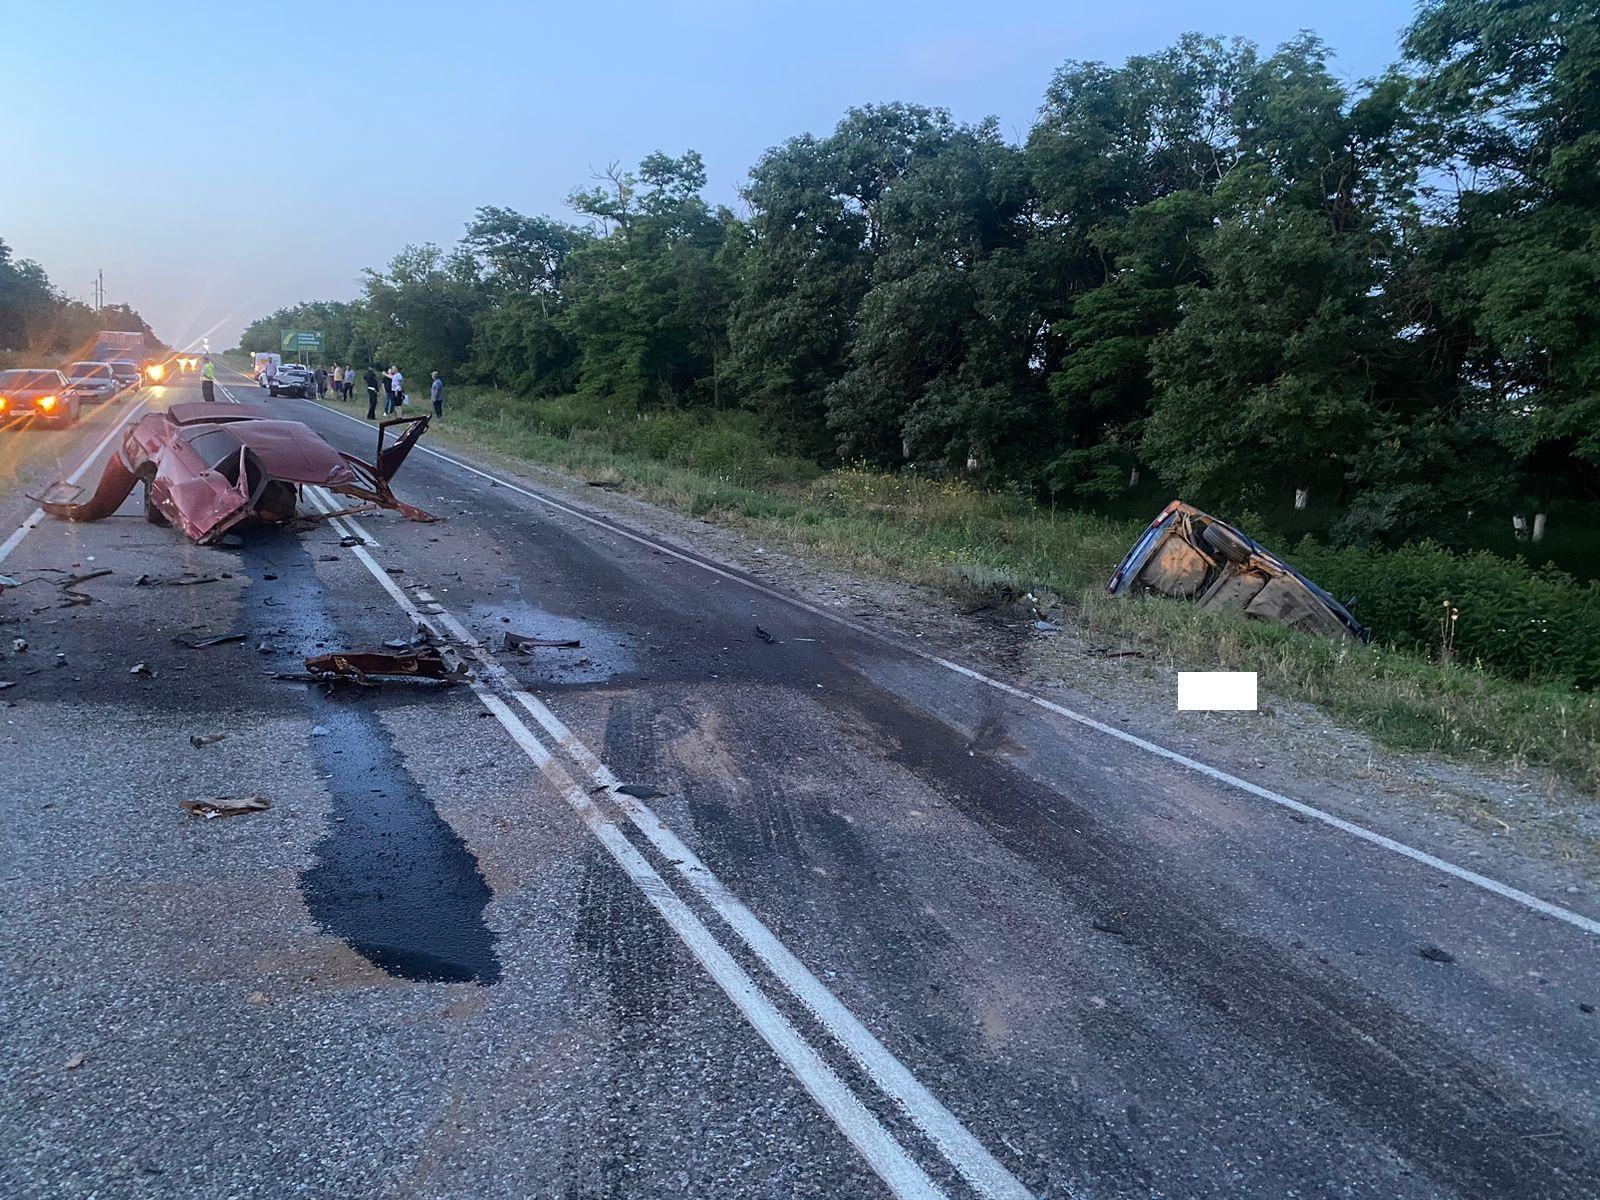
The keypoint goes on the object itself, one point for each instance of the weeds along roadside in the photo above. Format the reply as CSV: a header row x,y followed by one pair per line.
x,y
962,540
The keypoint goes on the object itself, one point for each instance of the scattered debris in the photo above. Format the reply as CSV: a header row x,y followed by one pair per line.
x,y
18,645
608,484
198,740
187,579
351,539
259,999
640,791
765,636
1192,555
426,662
225,806
522,642
319,731
7,683
221,639
1434,954
76,1061
210,467
140,668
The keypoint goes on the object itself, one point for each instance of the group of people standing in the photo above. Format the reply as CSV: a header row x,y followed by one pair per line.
x,y
341,381
391,384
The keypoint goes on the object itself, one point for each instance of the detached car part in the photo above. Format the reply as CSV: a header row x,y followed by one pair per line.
x,y
209,467
1194,556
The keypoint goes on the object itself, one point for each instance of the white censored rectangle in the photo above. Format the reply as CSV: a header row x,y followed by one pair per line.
x,y
1216,691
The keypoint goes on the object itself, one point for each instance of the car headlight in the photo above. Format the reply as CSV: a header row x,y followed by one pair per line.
x,y
47,402
155,371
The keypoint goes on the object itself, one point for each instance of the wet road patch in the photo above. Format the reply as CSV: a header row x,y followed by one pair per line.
x,y
392,878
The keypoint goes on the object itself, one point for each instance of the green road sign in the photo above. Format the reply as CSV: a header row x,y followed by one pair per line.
x,y
302,339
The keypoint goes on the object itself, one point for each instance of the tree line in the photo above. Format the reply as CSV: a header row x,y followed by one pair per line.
x,y
41,326
1220,265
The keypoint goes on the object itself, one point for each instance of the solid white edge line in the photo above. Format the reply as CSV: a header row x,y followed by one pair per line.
x,y
882,1152
37,516
1494,886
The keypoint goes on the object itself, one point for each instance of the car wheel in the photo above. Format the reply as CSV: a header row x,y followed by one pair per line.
x,y
1226,543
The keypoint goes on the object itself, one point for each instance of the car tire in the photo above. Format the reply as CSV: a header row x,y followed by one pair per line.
x,y
151,513
1225,543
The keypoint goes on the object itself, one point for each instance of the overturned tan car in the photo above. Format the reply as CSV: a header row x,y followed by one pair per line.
x,y
1192,555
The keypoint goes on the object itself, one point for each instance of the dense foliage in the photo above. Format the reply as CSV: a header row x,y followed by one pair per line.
x,y
39,326
1226,267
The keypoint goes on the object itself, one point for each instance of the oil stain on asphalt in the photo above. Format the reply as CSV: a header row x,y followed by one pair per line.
x,y
392,878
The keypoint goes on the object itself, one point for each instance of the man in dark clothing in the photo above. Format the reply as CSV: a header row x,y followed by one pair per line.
x,y
371,380
322,383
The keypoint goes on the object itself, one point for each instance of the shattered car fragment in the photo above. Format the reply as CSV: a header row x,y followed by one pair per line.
x,y
1192,555
427,662
209,467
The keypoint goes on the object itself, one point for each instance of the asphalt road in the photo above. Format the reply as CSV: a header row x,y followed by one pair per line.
x,y
866,925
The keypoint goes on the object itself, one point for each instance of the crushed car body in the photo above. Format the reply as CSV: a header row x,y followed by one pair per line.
x,y
209,467
1194,556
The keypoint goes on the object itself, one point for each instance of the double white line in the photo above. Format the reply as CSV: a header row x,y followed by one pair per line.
x,y
498,690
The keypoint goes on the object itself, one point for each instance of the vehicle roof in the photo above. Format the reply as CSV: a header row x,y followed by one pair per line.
x,y
89,362
290,450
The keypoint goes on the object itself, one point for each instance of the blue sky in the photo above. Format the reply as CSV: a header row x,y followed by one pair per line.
x,y
221,160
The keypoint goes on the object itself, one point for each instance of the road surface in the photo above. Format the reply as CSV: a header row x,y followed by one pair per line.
x,y
863,922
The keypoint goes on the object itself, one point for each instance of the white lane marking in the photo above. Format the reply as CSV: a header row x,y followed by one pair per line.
x,y
883,1153
1494,886
954,1141
37,516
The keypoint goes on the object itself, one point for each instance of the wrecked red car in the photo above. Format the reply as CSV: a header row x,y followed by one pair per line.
x,y
209,467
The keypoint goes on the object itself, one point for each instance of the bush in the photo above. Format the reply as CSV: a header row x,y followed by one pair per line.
x,y
1537,625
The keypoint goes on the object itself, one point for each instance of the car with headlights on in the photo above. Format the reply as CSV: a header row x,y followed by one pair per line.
x,y
91,382
128,373
37,393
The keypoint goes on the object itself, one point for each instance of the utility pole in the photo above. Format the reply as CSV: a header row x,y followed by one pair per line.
x,y
100,293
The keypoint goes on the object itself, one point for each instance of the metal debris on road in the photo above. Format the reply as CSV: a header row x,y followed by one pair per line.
x,y
76,1061
198,740
18,645
221,639
351,539
187,579
140,668
225,806
765,636
640,791
521,642
426,662
1434,954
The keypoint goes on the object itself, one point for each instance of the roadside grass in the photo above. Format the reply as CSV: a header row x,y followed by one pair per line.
x,y
972,543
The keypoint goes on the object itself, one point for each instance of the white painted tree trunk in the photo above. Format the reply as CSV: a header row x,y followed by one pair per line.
x,y
1301,496
1538,527
1133,477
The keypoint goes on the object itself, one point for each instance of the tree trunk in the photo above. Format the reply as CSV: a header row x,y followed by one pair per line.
x,y
1538,527
1133,476
1301,496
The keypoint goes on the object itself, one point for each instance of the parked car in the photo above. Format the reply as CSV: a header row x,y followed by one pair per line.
x,y
128,374
294,380
39,393
92,381
1192,555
